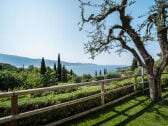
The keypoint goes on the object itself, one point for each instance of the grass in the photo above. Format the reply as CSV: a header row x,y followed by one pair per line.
x,y
135,111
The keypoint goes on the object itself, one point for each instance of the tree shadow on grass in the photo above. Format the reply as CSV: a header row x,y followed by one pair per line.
x,y
158,111
106,110
149,108
118,113
136,115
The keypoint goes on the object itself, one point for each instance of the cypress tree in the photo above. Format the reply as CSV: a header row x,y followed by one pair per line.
x,y
23,67
55,70
64,74
0,66
96,73
55,67
71,72
100,73
105,71
59,68
43,66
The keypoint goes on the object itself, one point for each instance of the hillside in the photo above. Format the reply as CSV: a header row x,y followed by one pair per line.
x,y
78,68
20,61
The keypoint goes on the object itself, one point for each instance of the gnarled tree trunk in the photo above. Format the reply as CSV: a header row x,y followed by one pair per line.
x,y
155,88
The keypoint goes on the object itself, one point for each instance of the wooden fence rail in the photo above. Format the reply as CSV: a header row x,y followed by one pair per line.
x,y
90,110
53,88
14,99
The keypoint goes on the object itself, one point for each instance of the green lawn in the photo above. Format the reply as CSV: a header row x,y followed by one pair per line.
x,y
135,111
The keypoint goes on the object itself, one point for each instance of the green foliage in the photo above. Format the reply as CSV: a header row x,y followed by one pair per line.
x,y
138,71
87,78
128,73
114,95
112,75
99,78
9,80
48,79
53,115
5,66
30,79
166,69
73,78
30,68
164,79
26,79
12,78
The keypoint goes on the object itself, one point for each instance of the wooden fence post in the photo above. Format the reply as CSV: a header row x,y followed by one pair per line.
x,y
102,93
14,108
135,82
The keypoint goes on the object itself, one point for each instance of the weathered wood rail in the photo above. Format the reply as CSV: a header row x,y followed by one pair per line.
x,y
14,100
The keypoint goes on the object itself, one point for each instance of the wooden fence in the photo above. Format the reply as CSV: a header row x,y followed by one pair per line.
x,y
14,100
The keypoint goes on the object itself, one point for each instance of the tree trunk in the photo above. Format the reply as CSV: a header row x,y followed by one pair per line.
x,y
155,88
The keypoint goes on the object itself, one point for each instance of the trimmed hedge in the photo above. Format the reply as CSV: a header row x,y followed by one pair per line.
x,y
67,111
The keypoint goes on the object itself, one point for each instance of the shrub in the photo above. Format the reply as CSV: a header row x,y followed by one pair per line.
x,y
166,69
9,80
114,95
73,78
99,78
112,75
67,111
165,81
86,78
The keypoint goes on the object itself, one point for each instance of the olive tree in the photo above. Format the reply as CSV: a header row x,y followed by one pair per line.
x,y
126,36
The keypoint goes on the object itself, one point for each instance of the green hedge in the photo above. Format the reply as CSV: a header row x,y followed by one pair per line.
x,y
54,115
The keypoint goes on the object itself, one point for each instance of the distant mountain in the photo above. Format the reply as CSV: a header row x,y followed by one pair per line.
x,y
20,61
78,68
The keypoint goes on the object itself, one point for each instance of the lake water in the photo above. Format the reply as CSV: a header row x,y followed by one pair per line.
x,y
90,69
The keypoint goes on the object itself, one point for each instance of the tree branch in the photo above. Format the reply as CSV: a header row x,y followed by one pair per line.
x,y
160,67
111,31
123,42
102,16
126,21
132,50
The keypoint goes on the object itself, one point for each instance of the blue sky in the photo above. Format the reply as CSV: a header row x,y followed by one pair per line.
x,y
44,28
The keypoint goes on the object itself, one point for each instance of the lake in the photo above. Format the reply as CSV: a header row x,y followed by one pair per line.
x,y
90,69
